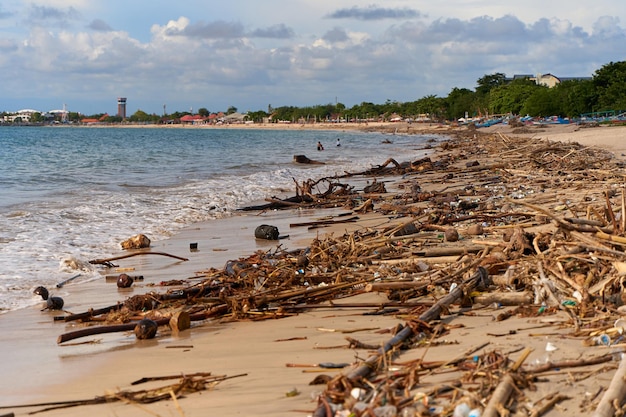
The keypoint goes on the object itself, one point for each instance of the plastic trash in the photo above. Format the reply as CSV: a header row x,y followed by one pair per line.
x,y
461,410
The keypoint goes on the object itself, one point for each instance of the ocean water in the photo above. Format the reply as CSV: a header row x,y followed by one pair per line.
x,y
71,194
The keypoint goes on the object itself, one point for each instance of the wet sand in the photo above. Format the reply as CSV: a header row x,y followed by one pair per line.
x,y
255,354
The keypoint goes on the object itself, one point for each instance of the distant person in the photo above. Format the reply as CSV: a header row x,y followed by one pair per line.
x,y
338,142
320,147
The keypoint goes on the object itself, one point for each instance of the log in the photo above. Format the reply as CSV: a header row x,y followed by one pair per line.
x,y
90,331
615,394
180,321
500,396
505,298
91,313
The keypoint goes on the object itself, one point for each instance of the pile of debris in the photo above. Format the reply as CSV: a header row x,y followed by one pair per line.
x,y
533,225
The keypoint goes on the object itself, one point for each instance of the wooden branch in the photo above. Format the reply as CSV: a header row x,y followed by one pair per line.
x,y
615,394
500,396
325,222
115,258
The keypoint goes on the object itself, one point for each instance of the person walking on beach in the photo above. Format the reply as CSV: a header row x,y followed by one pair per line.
x,y
320,147
338,142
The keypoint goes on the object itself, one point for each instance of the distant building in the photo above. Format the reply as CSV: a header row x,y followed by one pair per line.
x,y
121,107
547,80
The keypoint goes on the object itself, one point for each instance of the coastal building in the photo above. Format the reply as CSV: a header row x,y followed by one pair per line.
x,y
121,107
548,80
22,116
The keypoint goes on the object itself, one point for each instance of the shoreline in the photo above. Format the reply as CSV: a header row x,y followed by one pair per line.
x,y
250,348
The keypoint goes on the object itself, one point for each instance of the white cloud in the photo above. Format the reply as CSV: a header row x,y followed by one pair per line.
x,y
85,54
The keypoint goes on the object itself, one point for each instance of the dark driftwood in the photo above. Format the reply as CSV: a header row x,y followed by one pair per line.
x,y
277,203
115,258
89,314
324,222
303,159
93,330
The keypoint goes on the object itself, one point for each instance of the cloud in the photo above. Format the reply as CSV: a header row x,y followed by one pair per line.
x,y
336,35
187,63
52,15
273,32
213,30
99,25
5,14
374,12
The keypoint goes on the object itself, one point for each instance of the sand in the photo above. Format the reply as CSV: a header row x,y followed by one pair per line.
x,y
254,354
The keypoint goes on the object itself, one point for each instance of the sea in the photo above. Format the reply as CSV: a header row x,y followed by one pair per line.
x,y
72,194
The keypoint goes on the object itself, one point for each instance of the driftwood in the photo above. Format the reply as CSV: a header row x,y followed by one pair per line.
x,y
302,159
187,384
615,395
324,222
373,362
107,261
573,263
94,330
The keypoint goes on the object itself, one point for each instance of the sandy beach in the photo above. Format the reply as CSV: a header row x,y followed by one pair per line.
x,y
268,365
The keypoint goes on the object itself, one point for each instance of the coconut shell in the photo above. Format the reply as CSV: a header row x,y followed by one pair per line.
x,y
451,235
124,281
146,329
475,230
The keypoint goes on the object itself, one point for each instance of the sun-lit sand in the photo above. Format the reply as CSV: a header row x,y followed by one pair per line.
x,y
254,354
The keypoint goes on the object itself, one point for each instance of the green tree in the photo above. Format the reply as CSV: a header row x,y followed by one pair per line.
x,y
487,83
609,82
257,116
460,101
37,118
203,112
542,102
231,110
510,98
141,116
433,106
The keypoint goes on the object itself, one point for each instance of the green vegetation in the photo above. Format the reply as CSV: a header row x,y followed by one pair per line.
x,y
494,94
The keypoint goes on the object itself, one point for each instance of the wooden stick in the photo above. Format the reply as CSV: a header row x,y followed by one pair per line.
x,y
615,394
505,298
500,396
62,283
115,258
325,222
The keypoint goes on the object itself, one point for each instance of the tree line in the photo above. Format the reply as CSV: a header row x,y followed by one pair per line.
x,y
494,94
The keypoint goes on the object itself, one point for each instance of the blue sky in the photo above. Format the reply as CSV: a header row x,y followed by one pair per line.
x,y
250,54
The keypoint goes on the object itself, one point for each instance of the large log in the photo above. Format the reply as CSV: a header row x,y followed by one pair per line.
x,y
93,330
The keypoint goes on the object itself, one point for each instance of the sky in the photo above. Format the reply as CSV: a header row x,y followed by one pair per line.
x,y
249,54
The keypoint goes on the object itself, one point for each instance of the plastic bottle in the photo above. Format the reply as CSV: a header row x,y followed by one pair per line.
x,y
461,410
386,411
475,412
